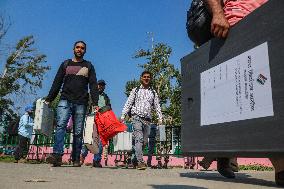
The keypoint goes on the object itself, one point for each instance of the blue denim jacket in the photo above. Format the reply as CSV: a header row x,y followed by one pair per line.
x,y
26,126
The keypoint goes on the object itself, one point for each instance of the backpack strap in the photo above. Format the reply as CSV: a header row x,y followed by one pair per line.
x,y
153,92
135,94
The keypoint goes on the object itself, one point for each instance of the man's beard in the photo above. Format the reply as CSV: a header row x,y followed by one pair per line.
x,y
79,55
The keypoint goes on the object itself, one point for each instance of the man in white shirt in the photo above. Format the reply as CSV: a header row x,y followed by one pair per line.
x,y
139,105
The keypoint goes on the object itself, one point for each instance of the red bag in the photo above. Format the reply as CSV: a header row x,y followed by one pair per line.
x,y
108,125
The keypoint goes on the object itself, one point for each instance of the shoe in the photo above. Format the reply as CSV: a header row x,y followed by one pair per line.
x,y
141,166
134,163
82,159
97,164
224,168
55,159
279,178
76,164
159,165
192,166
234,166
206,162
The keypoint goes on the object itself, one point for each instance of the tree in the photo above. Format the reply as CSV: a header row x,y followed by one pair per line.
x,y
23,73
4,26
166,80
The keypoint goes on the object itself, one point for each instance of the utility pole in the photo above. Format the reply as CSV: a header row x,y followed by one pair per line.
x,y
151,36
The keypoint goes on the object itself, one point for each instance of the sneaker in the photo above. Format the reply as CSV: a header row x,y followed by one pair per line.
x,y
76,164
224,168
279,178
55,159
97,164
141,166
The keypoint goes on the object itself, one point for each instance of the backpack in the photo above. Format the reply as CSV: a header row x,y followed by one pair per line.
x,y
198,24
133,103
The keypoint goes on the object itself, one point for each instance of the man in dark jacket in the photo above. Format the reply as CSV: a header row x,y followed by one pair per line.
x,y
102,102
78,76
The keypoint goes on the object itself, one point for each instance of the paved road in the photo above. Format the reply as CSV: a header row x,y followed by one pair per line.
x,y
24,176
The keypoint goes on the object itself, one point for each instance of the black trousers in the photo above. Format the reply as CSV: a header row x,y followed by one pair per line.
x,y
23,147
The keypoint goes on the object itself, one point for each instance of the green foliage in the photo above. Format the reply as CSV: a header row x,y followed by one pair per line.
x,y
256,167
23,72
7,159
130,85
166,80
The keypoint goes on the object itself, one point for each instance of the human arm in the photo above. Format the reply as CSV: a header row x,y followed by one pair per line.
x,y
56,85
93,85
158,108
128,104
219,24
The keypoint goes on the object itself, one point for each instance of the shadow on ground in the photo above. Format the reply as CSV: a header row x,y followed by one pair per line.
x,y
240,178
176,186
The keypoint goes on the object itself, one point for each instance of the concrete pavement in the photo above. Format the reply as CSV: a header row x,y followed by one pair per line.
x,y
29,176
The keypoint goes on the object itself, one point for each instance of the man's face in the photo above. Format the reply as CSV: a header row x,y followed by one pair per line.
x,y
30,112
146,79
101,87
79,50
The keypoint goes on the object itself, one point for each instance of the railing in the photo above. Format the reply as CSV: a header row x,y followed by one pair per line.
x,y
8,143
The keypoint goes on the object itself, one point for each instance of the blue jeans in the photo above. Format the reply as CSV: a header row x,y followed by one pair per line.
x,y
64,110
97,157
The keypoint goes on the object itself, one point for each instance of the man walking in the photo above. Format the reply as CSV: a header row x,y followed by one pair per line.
x,y
25,133
139,106
103,102
76,75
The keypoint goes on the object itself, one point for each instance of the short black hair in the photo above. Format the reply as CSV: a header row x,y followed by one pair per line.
x,y
80,42
146,72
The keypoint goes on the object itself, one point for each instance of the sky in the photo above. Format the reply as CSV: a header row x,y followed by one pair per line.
x,y
112,29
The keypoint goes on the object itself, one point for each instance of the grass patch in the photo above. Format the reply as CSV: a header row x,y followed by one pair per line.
x,y
256,167
7,159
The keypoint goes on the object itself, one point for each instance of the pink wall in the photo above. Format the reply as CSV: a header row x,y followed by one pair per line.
x,y
174,161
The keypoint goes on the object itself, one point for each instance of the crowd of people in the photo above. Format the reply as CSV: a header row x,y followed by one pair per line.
x,y
74,78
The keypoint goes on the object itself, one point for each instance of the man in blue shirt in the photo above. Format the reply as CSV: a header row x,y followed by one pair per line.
x,y
25,133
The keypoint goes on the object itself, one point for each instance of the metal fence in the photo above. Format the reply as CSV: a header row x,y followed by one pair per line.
x,y
39,141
